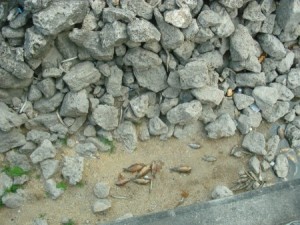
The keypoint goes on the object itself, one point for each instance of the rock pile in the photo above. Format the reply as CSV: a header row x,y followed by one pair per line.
x,y
128,70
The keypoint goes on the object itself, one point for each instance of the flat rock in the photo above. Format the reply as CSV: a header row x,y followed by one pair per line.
x,y
265,96
208,95
75,104
223,126
45,151
101,205
271,45
221,191
101,190
9,118
255,142
180,18
281,166
106,116
81,76
140,30
73,168
242,101
11,139
250,79
126,133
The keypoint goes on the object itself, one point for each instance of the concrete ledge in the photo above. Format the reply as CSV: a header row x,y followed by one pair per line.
x,y
275,205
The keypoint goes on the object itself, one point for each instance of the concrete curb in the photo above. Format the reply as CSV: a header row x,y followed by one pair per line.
x,y
275,205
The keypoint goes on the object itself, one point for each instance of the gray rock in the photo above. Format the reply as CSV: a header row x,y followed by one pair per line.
x,y
49,167
125,216
101,145
294,78
254,165
40,221
271,45
242,101
290,116
112,14
157,126
185,113
8,32
114,82
268,6
47,87
223,126
140,30
106,117
17,159
81,76
168,104
48,105
208,18
139,7
75,104
8,80
101,205
86,149
180,18
37,136
208,95
208,115
101,190
144,134
233,4
77,124
139,105
250,79
265,96
281,166
221,191
244,124
255,142
126,133
45,151
107,99
13,200
188,131
90,41
194,75
73,168
286,63
153,46
5,183
9,119
171,37
268,25
253,12
28,148
34,93
52,72
278,110
11,139
89,131
60,16
185,51
113,34
241,44
285,94
52,190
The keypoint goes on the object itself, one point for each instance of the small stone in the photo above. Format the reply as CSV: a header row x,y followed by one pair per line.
x,y
140,30
139,105
265,96
73,168
271,45
208,18
86,149
75,104
250,79
101,205
208,95
114,82
106,116
126,133
8,118
13,200
52,189
272,148
37,136
45,151
294,78
49,167
285,94
253,12
157,126
47,87
255,142
242,101
254,165
221,191
112,14
113,34
168,104
180,18
16,159
265,165
223,126
101,145
101,190
281,166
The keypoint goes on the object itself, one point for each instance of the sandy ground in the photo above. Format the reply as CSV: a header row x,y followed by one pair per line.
x,y
77,201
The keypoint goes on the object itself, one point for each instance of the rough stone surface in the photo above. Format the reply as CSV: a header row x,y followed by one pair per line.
x,y
37,136
180,18
106,116
255,142
221,191
265,96
139,105
101,205
73,168
11,139
5,183
13,200
223,126
250,79
113,34
271,45
8,118
126,133
52,190
49,167
157,126
86,149
208,95
141,30
254,165
45,151
101,190
75,104
281,166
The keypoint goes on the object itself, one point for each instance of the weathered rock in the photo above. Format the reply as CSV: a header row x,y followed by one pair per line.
x,y
253,12
265,96
73,168
180,18
81,76
101,190
157,126
281,166
12,139
126,133
233,4
114,14
5,183
45,151
60,16
242,101
52,190
9,119
101,145
114,82
254,164
208,18
250,79
185,51
293,80
278,110
221,191
223,126
37,136
106,116
101,205
168,104
285,94
208,95
185,113
13,200
255,142
47,87
49,167
139,105
48,105
75,104
19,160
140,30
86,149
113,34
271,45
139,7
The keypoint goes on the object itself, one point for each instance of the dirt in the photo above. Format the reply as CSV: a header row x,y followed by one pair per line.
x,y
76,202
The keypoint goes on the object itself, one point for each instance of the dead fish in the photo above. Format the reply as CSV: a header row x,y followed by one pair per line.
x,y
181,169
156,166
209,158
141,181
194,145
134,167
122,180
146,169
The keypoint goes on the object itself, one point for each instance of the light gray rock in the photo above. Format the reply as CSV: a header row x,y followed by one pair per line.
x,y
208,115
194,75
268,25
89,131
286,63
242,101
168,104
106,117
244,124
47,87
285,94
49,167
10,81
265,97
208,95
250,79
125,216
281,166
101,190
171,37
13,200
188,131
253,12
293,78
75,104
221,191
112,14
140,30
73,168
254,165
126,133
223,126
139,105
290,116
180,18
48,105
101,145
271,45
157,126
185,113
86,149
9,118
16,159
233,4
255,142
11,139
45,151
52,72
185,51
37,136
208,18
101,205
5,183
114,82
268,6
140,7
77,124
52,190
153,46
60,16
278,110
113,34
